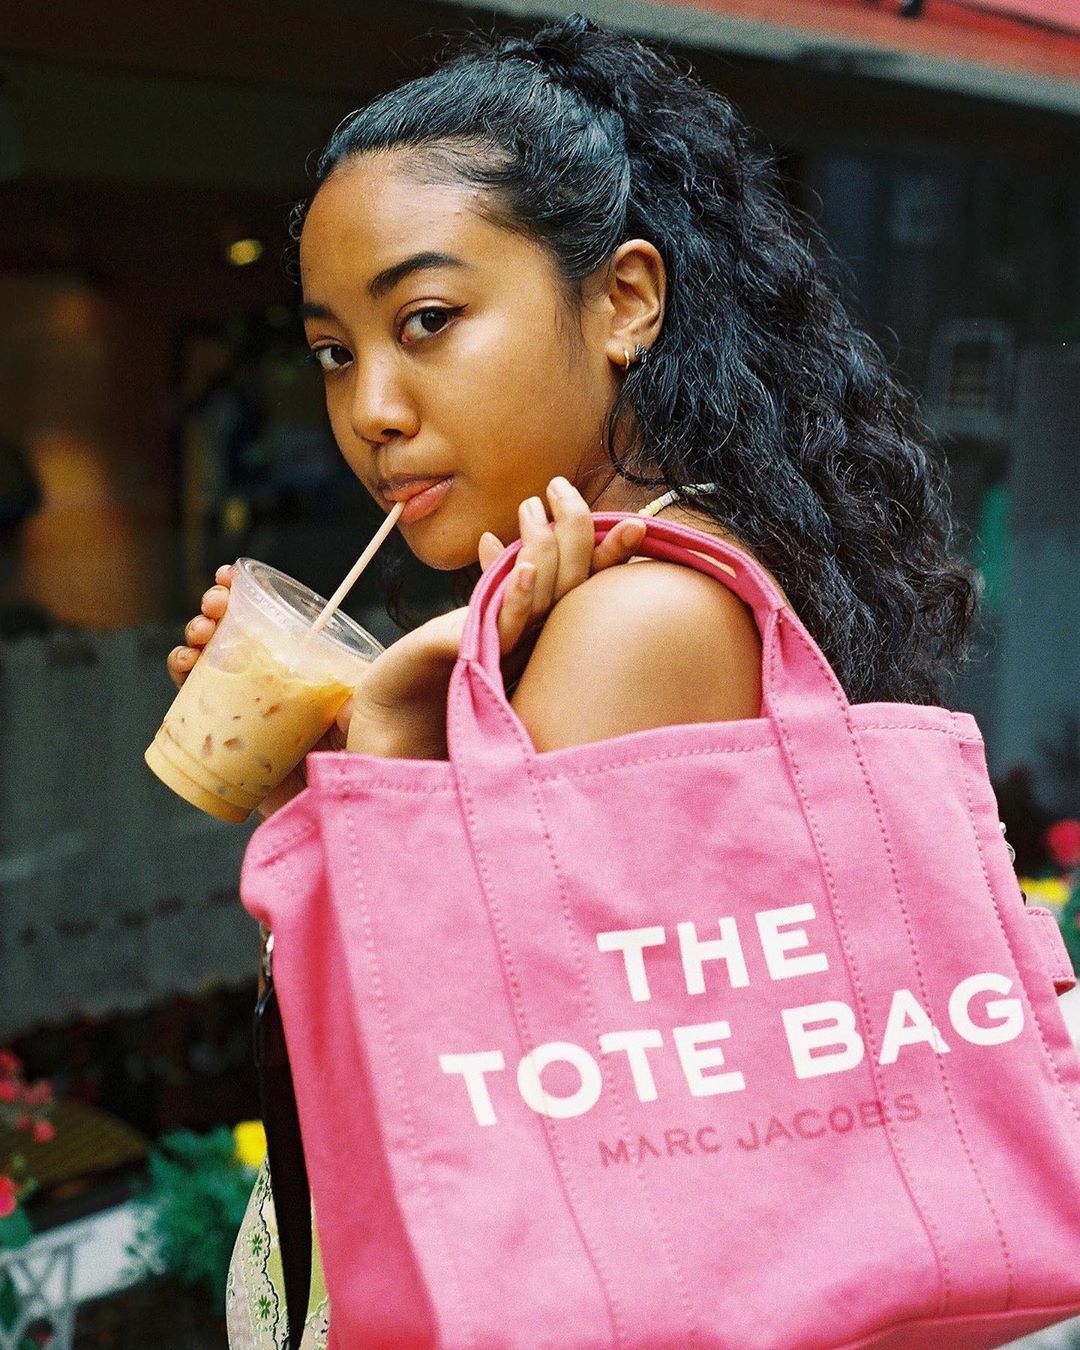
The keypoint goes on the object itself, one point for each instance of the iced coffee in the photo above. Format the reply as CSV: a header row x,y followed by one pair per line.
x,y
263,692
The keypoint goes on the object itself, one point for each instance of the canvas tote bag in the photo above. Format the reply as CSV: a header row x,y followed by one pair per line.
x,y
733,1034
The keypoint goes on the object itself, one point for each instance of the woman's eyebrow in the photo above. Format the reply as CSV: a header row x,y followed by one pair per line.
x,y
389,277
417,262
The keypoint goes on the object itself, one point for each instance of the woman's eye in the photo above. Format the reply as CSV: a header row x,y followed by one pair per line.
x,y
427,322
317,354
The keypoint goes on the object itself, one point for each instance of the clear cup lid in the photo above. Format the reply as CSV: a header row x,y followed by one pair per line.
x,y
289,604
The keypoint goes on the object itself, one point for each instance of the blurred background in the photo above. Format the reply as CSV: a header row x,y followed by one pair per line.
x,y
158,417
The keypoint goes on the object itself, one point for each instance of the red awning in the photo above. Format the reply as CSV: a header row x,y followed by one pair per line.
x,y
1063,14
1036,37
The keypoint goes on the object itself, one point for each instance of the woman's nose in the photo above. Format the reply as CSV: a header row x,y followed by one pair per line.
x,y
381,406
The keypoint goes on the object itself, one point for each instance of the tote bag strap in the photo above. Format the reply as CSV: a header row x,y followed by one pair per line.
x,y
799,678
495,762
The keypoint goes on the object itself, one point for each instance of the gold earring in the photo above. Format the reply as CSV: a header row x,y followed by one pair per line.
x,y
626,359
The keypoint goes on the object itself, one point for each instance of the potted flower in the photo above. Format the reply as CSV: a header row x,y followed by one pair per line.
x,y
36,1305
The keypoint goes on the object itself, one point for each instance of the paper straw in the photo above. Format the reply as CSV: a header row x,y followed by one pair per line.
x,y
330,608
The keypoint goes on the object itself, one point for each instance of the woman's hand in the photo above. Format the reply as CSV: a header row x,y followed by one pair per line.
x,y
399,709
202,627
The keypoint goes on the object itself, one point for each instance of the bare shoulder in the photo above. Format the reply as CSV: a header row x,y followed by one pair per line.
x,y
639,646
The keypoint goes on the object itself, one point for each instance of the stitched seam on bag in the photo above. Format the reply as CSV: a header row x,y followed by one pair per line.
x,y
1048,1055
899,1156
943,1074
552,775
667,1246
283,864
917,726
399,1082
282,846
525,1039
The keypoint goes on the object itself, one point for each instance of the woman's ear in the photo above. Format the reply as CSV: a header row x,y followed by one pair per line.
x,y
637,287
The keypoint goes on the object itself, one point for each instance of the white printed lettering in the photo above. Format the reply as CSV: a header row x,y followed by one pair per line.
x,y
472,1068
1009,1011
696,951
694,1059
775,944
582,1099
635,1044
908,1024
631,942
839,1030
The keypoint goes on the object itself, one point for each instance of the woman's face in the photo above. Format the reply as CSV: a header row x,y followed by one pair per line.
x,y
465,369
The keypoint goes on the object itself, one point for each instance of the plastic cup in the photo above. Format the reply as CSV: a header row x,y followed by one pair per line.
x,y
264,690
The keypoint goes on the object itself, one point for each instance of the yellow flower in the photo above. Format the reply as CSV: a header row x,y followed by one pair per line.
x,y
1050,891
250,1138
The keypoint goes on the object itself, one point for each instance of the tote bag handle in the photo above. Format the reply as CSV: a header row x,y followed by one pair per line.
x,y
795,677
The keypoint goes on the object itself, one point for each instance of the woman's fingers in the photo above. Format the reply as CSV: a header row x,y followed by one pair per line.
x,y
215,602
179,662
554,556
489,549
516,612
540,547
199,630
574,534
620,543
564,553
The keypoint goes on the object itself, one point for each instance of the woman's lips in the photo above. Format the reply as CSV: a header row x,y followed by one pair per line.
x,y
422,503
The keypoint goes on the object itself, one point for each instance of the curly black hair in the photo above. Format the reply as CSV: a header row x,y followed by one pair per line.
x,y
760,383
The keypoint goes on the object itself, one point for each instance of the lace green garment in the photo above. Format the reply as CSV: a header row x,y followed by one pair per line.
x,y
255,1297
254,1290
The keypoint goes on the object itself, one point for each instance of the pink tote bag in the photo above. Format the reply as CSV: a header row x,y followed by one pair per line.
x,y
733,1035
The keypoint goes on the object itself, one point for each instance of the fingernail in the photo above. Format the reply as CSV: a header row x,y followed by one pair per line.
x,y
562,487
534,508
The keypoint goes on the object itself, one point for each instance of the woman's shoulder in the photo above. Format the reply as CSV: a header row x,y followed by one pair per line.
x,y
638,647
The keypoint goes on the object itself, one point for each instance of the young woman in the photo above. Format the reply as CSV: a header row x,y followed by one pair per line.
x,y
558,265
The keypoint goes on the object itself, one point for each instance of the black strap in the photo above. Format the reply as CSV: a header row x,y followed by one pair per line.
x,y
285,1155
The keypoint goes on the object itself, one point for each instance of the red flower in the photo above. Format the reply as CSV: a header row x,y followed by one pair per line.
x,y
44,1130
8,1200
9,1063
9,1090
1063,841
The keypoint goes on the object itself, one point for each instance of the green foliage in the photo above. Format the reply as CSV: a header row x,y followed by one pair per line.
x,y
1070,924
9,1301
192,1205
15,1230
